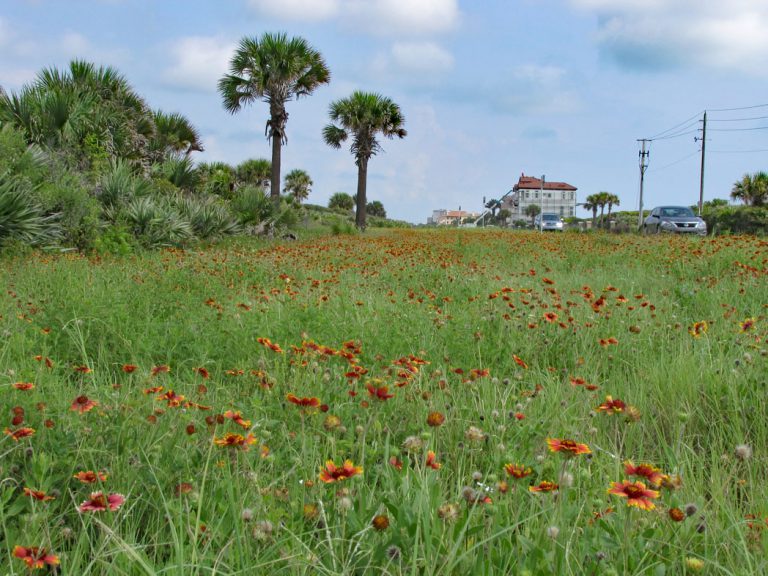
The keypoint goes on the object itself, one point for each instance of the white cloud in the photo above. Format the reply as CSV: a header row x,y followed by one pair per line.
x,y
302,10
671,33
74,45
420,57
199,62
5,33
397,18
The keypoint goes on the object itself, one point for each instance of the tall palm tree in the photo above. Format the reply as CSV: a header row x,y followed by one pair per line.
x,y
274,69
298,184
174,134
592,203
751,189
612,200
532,210
254,171
362,116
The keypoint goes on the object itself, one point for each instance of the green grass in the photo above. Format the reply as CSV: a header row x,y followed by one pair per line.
x,y
460,300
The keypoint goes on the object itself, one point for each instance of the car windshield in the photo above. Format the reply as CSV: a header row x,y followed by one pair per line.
x,y
677,212
550,217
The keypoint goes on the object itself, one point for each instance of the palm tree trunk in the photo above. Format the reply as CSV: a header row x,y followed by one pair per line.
x,y
362,184
274,186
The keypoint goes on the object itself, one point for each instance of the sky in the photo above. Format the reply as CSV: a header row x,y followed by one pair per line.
x,y
489,89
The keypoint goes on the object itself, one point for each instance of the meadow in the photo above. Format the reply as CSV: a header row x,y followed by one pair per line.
x,y
404,402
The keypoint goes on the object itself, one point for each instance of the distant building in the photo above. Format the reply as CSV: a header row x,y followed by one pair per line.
x,y
552,197
451,217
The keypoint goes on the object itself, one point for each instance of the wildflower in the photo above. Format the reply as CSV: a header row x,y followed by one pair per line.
x,y
190,429
20,433
380,393
448,512
183,488
174,400
672,481
237,419
694,564
393,552
567,446
632,414
332,473
303,402
202,372
129,368
698,329
153,390
246,515
83,404
380,522
83,369
331,422
395,463
611,406
99,502
432,461
263,530
690,509
474,434
269,344
23,385
38,495
310,511
543,486
435,419
161,369
235,441
747,325
517,471
636,494
90,477
519,361
553,532
35,558
652,474
676,515
743,452
550,317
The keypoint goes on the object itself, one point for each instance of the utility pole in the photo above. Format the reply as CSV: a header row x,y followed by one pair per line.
x,y
703,149
541,210
643,165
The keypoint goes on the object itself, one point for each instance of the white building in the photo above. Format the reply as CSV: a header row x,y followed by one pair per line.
x,y
552,197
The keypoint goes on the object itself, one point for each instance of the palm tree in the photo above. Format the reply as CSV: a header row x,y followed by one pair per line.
x,y
361,117
612,200
174,134
751,189
298,184
532,210
255,171
592,203
274,69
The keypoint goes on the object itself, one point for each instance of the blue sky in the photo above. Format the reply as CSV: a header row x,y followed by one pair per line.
x,y
489,88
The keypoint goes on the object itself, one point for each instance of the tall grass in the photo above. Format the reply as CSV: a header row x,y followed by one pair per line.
x,y
517,330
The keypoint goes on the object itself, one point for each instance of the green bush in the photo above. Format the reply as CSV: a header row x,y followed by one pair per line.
x,y
115,240
208,216
737,220
21,217
78,211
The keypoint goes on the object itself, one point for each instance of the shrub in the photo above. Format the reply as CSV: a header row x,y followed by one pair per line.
x,y
208,216
252,206
157,223
21,217
737,220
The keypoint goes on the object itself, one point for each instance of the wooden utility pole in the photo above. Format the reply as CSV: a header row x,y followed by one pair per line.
x,y
703,149
643,165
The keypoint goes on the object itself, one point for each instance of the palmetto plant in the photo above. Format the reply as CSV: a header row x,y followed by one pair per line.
x,y
361,117
274,69
21,218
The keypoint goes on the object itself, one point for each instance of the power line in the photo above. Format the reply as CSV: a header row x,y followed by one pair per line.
x,y
741,108
675,135
676,161
739,129
737,119
677,126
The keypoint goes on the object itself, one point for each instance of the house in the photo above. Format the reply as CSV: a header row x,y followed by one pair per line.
x,y
451,217
552,197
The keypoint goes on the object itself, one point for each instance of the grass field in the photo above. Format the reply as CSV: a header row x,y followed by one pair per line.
x,y
462,375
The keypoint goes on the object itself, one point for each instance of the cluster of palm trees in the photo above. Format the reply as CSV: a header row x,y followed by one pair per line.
x,y
599,201
276,69
752,189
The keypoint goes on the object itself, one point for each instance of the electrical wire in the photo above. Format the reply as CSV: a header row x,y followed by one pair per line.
x,y
681,126
738,129
741,108
675,162
675,135
736,119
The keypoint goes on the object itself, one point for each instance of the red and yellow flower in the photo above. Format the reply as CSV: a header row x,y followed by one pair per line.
x,y
237,419
698,329
303,402
567,446
38,495
100,502
34,557
83,404
235,441
431,461
90,477
517,470
332,473
654,475
611,406
379,392
543,486
19,433
23,385
636,493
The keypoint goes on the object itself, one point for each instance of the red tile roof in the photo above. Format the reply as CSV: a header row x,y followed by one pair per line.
x,y
533,183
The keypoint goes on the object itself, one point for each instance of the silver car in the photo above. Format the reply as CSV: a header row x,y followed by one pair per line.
x,y
548,221
677,219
